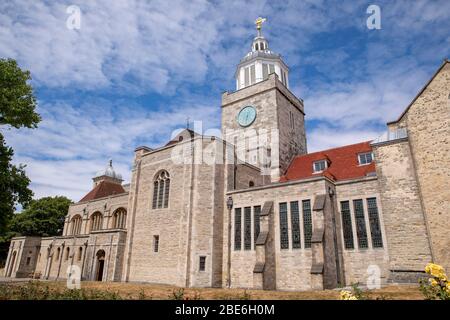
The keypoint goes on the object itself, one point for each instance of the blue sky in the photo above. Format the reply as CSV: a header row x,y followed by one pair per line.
x,y
135,70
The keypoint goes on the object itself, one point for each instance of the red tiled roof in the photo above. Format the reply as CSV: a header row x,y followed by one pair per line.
x,y
342,164
103,189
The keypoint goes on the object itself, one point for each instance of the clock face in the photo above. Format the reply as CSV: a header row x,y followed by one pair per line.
x,y
246,116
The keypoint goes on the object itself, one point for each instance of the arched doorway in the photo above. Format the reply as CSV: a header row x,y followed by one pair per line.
x,y
100,265
11,264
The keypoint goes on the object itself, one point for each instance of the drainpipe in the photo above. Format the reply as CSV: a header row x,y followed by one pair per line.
x,y
230,208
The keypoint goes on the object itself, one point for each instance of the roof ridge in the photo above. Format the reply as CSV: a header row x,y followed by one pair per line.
x,y
335,148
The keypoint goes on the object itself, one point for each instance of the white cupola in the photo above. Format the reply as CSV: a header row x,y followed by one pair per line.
x,y
260,62
108,174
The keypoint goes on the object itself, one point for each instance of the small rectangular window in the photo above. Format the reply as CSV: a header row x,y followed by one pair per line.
x,y
284,237
237,229
307,222
295,222
361,231
347,225
365,158
320,165
155,243
247,76
252,74
271,68
202,263
265,69
247,228
256,221
375,230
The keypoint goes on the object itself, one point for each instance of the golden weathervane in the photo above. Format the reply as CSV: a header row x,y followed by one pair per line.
x,y
259,23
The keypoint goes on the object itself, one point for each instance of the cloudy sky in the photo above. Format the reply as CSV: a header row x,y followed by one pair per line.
x,y
135,70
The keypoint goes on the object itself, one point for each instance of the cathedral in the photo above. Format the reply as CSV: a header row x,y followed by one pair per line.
x,y
253,209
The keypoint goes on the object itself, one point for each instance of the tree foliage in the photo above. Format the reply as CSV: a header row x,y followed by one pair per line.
x,y
43,217
17,101
13,185
17,109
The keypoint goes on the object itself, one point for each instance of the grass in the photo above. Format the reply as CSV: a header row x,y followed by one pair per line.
x,y
51,290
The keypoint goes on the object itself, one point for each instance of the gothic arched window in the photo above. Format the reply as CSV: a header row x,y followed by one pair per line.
x,y
161,188
75,225
120,218
96,221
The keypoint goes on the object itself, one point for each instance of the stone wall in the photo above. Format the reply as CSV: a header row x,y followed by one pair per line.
x,y
293,266
106,206
428,124
58,253
406,234
356,261
22,257
189,228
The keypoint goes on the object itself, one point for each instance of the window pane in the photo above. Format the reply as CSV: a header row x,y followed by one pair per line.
x,y
307,222
155,243
284,237
361,231
347,225
256,221
202,263
237,229
271,68
295,222
155,194
252,74
375,230
161,193
247,76
319,166
166,193
247,228
265,68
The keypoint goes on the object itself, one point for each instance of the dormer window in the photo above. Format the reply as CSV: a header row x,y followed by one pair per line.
x,y
319,166
365,158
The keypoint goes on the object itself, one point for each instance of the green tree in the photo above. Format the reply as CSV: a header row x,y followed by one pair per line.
x,y
17,109
17,101
43,217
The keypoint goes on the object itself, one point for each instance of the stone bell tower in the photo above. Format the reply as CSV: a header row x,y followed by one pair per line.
x,y
262,118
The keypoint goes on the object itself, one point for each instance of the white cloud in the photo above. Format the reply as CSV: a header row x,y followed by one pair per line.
x,y
73,142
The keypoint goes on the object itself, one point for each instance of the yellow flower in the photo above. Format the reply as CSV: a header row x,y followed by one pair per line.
x,y
435,270
347,295
433,282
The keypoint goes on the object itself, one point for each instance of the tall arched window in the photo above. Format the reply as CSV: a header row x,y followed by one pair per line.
x,y
67,254
120,218
75,225
96,221
161,189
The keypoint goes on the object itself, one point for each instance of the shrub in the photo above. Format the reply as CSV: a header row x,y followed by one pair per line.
x,y
355,294
437,286
177,294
